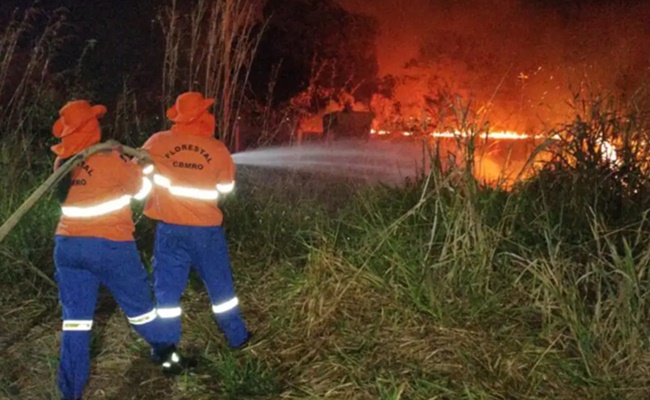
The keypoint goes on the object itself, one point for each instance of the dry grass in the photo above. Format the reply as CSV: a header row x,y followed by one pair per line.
x,y
442,289
420,292
27,44
330,330
210,49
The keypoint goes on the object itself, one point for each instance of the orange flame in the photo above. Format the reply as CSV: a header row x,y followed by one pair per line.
x,y
498,135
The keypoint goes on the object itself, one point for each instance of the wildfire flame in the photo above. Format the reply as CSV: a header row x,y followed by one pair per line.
x,y
500,135
492,165
503,135
608,150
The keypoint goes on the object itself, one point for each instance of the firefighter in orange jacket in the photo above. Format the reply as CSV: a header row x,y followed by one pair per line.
x,y
193,170
94,245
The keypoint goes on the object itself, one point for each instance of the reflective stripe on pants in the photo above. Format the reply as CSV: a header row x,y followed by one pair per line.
x,y
77,325
82,264
176,249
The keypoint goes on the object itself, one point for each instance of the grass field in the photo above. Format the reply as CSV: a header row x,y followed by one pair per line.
x,y
438,289
441,289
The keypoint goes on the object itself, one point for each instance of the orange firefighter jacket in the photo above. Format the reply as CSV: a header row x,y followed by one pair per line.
x,y
192,172
98,201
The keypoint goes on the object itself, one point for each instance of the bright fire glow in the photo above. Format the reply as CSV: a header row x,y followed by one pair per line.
x,y
501,163
507,135
609,152
503,135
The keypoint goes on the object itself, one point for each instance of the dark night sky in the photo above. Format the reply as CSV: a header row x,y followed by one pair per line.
x,y
126,38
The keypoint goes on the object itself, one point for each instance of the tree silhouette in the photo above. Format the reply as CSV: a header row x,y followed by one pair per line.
x,y
304,36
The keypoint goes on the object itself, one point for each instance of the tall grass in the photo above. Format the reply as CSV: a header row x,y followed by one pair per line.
x,y
27,44
210,49
442,288
537,292
27,291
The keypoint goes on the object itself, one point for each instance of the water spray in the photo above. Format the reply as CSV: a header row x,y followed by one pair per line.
x,y
367,160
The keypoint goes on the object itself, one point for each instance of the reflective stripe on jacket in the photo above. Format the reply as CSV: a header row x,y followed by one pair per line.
x,y
192,173
99,197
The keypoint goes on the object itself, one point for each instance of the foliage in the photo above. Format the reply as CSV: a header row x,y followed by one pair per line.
x,y
210,49
438,287
28,43
441,287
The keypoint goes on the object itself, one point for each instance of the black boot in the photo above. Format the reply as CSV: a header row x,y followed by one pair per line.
x,y
171,361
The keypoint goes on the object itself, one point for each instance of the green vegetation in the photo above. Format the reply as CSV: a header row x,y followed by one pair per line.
x,y
441,289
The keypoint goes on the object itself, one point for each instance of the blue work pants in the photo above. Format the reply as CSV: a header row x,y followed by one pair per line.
x,y
179,247
82,264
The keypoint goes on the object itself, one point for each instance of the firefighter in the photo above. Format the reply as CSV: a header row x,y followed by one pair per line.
x,y
94,245
193,171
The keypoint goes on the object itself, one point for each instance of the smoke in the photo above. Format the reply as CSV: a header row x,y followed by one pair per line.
x,y
524,57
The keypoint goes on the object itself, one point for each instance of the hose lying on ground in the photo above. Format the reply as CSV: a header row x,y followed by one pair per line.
x,y
50,182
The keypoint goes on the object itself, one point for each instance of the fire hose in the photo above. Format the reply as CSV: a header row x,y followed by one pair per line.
x,y
62,171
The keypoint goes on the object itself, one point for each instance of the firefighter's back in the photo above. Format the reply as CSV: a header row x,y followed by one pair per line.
x,y
189,171
98,199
